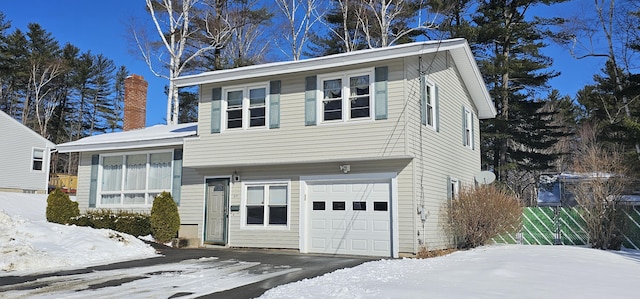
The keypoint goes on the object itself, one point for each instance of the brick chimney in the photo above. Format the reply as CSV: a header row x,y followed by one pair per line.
x,y
135,102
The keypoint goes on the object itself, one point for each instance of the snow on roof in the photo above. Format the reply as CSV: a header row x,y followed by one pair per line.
x,y
158,135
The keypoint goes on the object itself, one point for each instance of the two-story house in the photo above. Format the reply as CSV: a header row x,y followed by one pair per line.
x,y
354,153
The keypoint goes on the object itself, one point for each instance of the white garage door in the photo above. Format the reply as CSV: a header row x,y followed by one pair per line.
x,y
349,218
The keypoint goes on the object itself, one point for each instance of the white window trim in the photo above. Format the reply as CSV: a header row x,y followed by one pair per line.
x,y
148,201
467,123
265,225
33,159
431,87
245,107
346,107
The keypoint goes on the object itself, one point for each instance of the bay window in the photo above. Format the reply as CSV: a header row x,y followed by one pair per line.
x,y
134,179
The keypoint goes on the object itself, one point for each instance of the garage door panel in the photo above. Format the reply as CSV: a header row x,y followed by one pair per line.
x,y
380,226
318,244
359,244
357,214
380,245
320,224
338,244
359,225
337,225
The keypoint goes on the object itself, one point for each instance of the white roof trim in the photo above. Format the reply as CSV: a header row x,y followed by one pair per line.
x,y
155,136
459,49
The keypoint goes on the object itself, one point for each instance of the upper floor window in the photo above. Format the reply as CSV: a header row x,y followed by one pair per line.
x,y
429,104
468,128
246,107
134,179
37,159
346,96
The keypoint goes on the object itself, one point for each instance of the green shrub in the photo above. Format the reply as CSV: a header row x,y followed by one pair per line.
x,y
102,218
60,208
479,214
165,220
135,224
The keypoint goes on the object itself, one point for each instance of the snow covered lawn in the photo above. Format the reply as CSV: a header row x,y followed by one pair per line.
x,y
507,271
30,244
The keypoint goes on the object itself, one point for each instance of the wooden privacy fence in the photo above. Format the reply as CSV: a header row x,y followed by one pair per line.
x,y
565,226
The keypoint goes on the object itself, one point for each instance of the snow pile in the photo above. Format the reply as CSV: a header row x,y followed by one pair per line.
x,y
28,243
508,271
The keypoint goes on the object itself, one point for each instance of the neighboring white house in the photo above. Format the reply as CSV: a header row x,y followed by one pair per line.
x,y
354,153
24,158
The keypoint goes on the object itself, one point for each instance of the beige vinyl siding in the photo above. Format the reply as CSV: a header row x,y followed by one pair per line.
x,y
193,198
295,142
84,181
441,154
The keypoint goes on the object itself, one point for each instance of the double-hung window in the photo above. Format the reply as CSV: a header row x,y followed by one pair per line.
x,y
429,109
37,159
134,179
467,128
246,107
266,204
346,96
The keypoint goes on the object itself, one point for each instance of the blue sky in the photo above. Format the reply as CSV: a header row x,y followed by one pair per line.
x,y
101,26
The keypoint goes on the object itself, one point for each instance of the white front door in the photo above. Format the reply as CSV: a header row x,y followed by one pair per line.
x,y
349,218
216,211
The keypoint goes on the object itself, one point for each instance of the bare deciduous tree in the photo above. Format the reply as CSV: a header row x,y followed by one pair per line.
x,y
183,42
40,78
600,192
300,17
381,15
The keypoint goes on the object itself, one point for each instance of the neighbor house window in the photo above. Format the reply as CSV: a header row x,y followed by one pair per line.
x,y
468,128
267,204
346,96
37,159
134,179
246,107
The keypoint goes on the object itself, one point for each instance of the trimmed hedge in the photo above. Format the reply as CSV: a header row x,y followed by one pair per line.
x,y
135,224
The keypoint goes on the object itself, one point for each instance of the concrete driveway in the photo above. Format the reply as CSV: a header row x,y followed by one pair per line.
x,y
181,273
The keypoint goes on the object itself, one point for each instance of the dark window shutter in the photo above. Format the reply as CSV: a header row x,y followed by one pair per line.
x,y
274,104
93,184
216,113
381,94
177,175
310,101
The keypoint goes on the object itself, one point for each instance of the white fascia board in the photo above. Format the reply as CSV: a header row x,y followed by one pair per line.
x,y
475,84
313,64
111,146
